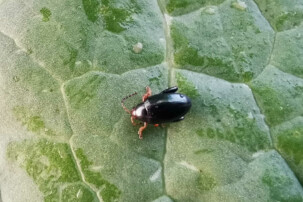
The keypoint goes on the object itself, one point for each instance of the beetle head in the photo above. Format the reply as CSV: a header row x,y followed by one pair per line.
x,y
138,111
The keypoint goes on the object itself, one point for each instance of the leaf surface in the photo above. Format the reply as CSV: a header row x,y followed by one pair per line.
x,y
66,66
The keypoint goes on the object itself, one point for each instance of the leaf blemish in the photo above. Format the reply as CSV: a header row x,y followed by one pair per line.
x,y
156,175
240,5
109,192
189,166
46,14
186,87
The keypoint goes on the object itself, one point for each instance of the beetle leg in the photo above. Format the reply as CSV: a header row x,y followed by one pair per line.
x,y
141,130
147,94
156,125
133,120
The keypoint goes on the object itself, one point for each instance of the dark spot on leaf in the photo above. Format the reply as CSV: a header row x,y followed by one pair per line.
x,y
91,8
186,87
118,19
16,78
49,164
205,181
109,191
46,14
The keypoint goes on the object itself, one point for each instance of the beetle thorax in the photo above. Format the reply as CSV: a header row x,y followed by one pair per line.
x,y
139,112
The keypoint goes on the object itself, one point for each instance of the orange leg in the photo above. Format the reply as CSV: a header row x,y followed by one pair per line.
x,y
133,120
147,94
156,125
141,130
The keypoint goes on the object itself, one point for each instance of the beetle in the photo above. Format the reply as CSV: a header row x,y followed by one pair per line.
x,y
167,106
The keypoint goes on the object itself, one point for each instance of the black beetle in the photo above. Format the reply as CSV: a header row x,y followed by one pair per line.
x,y
167,106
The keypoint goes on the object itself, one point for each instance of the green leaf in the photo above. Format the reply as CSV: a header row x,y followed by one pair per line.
x,y
287,55
179,7
280,95
282,14
236,47
66,66
288,139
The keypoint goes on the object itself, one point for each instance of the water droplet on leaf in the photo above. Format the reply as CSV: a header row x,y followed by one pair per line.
x,y
137,48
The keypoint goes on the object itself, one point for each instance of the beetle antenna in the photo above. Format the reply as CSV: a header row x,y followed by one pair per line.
x,y
122,102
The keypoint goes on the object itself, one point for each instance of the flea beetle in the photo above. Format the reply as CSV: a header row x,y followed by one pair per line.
x,y
167,106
